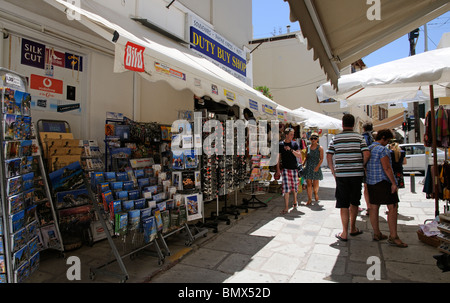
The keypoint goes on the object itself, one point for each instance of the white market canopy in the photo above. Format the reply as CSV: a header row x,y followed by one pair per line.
x,y
402,80
312,119
156,58
341,32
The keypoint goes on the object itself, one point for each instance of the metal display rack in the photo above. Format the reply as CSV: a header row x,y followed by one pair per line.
x,y
26,205
255,189
122,246
128,240
134,241
74,231
256,186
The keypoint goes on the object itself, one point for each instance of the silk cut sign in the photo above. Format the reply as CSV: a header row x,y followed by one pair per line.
x,y
134,57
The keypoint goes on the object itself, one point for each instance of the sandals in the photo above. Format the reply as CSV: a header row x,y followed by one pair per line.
x,y
338,236
283,212
294,205
396,242
309,202
379,237
357,232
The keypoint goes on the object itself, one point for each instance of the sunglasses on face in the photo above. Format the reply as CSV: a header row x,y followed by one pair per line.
x,y
314,138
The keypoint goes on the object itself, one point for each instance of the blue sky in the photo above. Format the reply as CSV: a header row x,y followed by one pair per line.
x,y
270,17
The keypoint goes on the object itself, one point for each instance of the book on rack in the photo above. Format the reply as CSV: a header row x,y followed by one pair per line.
x,y
50,237
121,223
72,198
109,130
149,228
16,203
127,205
13,167
134,217
165,217
182,214
115,207
18,239
67,178
158,219
107,198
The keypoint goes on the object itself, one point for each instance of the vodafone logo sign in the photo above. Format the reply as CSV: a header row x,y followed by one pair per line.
x,y
46,84
134,57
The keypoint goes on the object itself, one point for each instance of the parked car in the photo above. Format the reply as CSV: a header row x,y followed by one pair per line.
x,y
417,159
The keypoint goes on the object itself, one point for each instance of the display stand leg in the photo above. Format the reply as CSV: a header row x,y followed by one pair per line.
x,y
212,225
163,242
158,252
124,274
230,210
220,216
194,236
213,220
253,202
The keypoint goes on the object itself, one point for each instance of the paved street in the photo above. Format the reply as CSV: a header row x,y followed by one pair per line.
x,y
264,246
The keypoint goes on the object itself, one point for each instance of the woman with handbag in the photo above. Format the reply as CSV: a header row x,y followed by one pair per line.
x,y
312,171
383,189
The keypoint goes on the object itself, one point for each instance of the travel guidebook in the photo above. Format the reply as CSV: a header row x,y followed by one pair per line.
x,y
67,178
194,207
72,198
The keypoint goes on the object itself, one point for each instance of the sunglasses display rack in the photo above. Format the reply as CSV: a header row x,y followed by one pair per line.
x,y
209,177
221,175
209,182
27,214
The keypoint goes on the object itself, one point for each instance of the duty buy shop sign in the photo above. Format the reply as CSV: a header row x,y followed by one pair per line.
x,y
217,49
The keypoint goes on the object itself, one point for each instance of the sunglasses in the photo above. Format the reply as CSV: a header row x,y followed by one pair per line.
x,y
314,138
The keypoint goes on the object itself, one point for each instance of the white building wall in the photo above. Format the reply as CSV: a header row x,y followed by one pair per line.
x,y
287,67
102,89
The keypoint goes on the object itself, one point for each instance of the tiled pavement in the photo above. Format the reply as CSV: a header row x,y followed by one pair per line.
x,y
263,246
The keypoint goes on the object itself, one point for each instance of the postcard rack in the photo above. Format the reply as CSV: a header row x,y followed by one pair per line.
x,y
62,155
128,232
28,223
258,182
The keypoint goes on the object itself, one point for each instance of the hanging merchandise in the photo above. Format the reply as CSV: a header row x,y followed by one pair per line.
x,y
442,128
428,133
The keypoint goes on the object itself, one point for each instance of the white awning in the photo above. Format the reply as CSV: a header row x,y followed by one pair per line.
x,y
398,81
312,119
157,58
391,122
343,31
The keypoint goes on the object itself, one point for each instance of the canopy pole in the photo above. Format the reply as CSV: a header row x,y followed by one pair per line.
x,y
434,144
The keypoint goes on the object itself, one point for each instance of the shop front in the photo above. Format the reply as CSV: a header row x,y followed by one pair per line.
x,y
104,137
